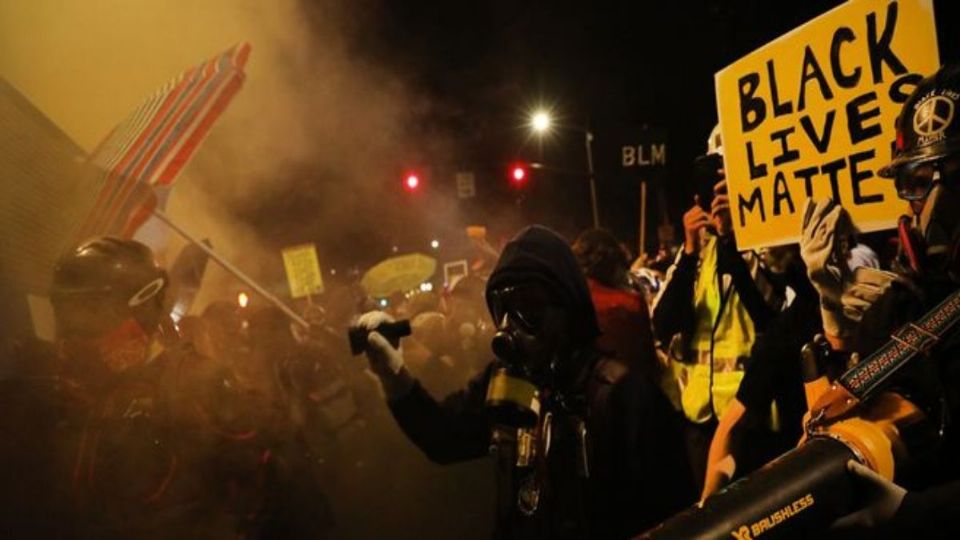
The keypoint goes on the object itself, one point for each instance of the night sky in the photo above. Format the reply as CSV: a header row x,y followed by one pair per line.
x,y
484,65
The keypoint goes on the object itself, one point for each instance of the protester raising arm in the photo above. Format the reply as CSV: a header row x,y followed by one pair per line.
x,y
447,432
826,238
673,309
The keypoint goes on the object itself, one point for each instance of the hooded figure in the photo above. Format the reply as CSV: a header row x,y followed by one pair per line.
x,y
585,447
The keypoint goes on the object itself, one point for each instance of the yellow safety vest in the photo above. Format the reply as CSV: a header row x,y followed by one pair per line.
x,y
733,336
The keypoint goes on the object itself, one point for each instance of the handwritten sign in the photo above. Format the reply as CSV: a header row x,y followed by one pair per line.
x,y
812,114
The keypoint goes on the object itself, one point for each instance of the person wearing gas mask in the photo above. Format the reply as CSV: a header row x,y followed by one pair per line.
x,y
926,172
710,309
586,447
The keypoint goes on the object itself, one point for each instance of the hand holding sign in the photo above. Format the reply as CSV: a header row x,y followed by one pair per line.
x,y
825,246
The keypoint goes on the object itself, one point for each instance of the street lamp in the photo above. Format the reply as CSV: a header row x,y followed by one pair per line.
x,y
541,122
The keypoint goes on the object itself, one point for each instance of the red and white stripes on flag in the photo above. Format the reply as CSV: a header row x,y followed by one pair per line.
x,y
144,153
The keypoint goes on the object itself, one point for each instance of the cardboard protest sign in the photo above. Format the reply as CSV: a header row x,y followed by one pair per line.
x,y
453,270
303,270
812,114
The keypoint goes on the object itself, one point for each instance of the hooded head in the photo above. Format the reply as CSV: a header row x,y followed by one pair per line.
x,y
539,300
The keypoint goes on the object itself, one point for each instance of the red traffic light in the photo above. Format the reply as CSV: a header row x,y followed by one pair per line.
x,y
518,173
411,182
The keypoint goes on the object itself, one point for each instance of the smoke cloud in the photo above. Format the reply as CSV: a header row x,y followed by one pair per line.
x,y
307,151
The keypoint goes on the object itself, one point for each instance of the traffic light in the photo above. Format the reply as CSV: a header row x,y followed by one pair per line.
x,y
411,182
518,174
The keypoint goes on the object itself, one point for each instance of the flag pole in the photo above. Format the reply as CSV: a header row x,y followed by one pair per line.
x,y
229,267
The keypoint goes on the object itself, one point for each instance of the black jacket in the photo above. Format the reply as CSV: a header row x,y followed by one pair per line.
x,y
638,474
773,375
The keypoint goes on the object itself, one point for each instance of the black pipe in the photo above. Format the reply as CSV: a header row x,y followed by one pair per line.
x,y
795,496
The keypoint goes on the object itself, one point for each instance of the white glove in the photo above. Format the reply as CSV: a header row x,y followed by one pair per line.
x,y
867,286
882,497
824,241
386,359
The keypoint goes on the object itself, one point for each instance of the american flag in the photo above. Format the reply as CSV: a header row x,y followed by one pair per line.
x,y
142,156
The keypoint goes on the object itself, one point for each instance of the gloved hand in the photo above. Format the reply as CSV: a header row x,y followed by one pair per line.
x,y
386,358
868,284
824,242
883,498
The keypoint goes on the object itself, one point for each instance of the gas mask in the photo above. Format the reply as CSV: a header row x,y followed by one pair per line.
x,y
529,342
931,240
541,375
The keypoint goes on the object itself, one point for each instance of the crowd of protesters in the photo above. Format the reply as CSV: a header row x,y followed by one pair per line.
x,y
593,396
611,393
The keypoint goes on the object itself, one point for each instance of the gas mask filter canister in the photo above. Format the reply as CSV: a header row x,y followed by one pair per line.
x,y
513,401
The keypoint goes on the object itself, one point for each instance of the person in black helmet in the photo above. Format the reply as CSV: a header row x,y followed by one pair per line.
x,y
107,301
107,298
586,446
130,424
129,436
926,172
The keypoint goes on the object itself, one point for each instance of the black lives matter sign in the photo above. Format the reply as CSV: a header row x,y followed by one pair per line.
x,y
812,115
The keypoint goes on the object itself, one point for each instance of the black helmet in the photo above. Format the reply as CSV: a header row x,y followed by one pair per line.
x,y
928,127
112,271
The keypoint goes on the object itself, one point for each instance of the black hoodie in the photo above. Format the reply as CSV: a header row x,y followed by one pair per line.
x,y
539,254
638,474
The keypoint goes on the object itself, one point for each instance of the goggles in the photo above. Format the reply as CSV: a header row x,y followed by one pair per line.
x,y
914,181
528,304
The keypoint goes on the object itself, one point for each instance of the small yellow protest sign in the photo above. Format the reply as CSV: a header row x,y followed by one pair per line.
x,y
813,113
303,270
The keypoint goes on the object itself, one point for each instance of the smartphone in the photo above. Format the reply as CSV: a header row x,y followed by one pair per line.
x,y
706,171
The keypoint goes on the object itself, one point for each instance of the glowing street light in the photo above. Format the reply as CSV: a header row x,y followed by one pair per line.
x,y
540,121
243,299
540,124
435,244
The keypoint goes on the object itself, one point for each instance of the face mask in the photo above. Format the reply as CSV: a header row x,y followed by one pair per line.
x,y
118,349
932,247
